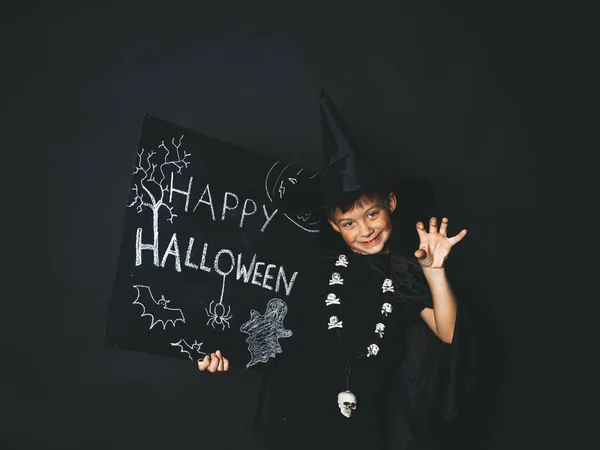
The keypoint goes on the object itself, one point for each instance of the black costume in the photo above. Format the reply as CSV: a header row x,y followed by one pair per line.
x,y
402,391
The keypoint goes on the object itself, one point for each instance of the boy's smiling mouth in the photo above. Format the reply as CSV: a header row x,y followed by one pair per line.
x,y
372,241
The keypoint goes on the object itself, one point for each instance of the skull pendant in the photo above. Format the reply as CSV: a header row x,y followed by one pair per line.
x,y
346,403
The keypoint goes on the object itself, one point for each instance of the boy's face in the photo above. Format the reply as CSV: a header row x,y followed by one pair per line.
x,y
367,227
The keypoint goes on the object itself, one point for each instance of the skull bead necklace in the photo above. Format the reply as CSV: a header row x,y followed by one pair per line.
x,y
346,399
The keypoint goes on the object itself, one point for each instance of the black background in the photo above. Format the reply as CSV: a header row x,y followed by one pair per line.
x,y
492,103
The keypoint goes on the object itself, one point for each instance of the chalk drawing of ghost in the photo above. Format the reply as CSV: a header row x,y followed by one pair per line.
x,y
265,330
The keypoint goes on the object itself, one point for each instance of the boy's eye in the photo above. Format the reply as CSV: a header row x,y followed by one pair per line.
x,y
348,224
373,213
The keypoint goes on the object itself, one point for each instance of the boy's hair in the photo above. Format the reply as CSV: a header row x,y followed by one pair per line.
x,y
377,194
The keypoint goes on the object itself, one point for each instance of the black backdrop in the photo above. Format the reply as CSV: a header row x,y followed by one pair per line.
x,y
491,103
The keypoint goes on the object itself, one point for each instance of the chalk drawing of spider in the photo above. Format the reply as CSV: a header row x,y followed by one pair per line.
x,y
218,315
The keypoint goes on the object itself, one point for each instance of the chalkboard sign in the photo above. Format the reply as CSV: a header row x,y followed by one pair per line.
x,y
209,258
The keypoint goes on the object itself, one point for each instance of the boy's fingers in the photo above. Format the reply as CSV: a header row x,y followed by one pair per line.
x,y
203,364
420,254
433,225
458,237
220,365
421,231
444,226
214,363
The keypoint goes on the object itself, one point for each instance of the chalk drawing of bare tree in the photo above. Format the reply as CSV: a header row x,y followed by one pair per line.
x,y
153,184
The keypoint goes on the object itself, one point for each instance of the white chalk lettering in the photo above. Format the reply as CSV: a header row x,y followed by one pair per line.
x,y
203,260
218,256
257,274
139,246
209,202
269,218
281,277
243,271
224,262
229,209
268,277
179,191
245,210
172,249
226,206
188,255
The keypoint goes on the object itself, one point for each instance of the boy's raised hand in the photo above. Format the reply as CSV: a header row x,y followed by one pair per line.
x,y
215,362
435,246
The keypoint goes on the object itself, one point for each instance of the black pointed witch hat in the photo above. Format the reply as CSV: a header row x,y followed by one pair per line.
x,y
347,170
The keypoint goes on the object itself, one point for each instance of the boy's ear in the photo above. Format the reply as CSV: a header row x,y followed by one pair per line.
x,y
333,225
392,202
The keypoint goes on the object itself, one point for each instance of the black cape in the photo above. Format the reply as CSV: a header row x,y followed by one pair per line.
x,y
406,393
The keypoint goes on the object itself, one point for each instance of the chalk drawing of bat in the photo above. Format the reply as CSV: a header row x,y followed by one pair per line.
x,y
158,311
193,351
